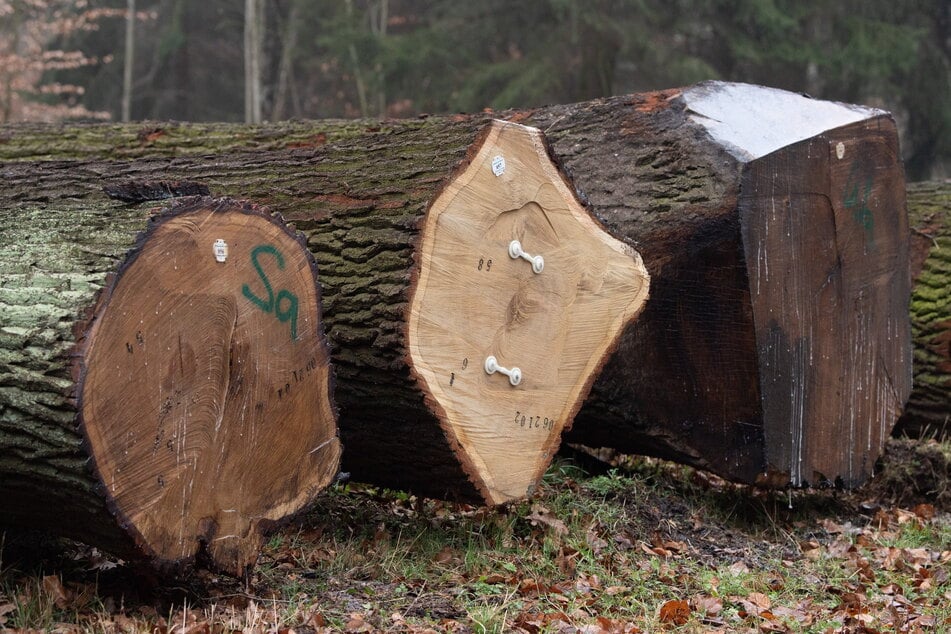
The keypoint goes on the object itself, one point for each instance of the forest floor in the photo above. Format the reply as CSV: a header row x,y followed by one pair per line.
x,y
642,546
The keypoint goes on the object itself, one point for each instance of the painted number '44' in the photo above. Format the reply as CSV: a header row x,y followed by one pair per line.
x,y
284,305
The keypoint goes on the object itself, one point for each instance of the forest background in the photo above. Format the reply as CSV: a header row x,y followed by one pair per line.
x,y
258,60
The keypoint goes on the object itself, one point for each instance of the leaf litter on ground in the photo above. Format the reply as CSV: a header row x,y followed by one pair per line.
x,y
647,547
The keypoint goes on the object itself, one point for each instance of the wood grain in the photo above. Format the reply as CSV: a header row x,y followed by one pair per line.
x,y
205,399
473,301
201,388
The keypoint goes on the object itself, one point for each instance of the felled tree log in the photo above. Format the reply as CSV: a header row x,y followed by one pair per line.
x,y
164,383
717,371
776,345
412,225
928,413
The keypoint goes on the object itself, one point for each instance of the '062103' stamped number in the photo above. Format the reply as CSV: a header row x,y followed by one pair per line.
x,y
533,422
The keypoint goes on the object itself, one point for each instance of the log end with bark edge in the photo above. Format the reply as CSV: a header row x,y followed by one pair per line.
x,y
520,295
204,385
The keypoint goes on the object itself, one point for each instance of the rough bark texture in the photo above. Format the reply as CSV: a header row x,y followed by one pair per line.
x,y
77,453
929,408
357,189
687,370
705,375
687,382
52,267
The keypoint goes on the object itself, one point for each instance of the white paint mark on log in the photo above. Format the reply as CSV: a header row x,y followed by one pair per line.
x,y
752,121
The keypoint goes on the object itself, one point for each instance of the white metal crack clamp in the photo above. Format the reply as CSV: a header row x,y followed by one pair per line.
x,y
492,366
515,252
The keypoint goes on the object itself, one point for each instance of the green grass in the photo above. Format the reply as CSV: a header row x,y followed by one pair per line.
x,y
608,551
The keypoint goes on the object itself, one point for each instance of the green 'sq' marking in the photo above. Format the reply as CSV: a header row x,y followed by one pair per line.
x,y
268,305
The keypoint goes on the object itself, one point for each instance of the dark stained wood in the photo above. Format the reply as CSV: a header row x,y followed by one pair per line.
x,y
798,377
826,243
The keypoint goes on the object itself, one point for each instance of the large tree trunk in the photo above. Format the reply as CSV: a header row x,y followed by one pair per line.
x,y
775,347
929,408
141,374
776,344
128,62
411,224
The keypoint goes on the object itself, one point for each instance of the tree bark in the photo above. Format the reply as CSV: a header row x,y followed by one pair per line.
x,y
776,344
363,192
725,370
928,413
139,401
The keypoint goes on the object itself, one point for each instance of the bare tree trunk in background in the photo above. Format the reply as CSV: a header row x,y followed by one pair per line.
x,y
286,69
357,74
384,18
248,59
6,108
129,61
253,53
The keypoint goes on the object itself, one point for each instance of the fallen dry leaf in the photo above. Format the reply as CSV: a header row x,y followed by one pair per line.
x,y
595,540
802,613
903,517
739,568
6,608
705,604
53,587
357,623
446,555
611,626
532,587
534,622
543,516
315,620
760,600
615,590
675,611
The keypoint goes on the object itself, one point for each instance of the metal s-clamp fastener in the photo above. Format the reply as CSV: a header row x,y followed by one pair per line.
x,y
492,366
516,251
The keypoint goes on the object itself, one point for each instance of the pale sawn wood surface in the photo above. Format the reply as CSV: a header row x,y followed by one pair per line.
x,y
473,300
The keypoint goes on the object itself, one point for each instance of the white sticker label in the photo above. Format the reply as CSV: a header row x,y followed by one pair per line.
x,y
498,165
221,250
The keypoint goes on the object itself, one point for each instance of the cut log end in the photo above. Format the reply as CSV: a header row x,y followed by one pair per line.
x,y
205,384
519,297
830,286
